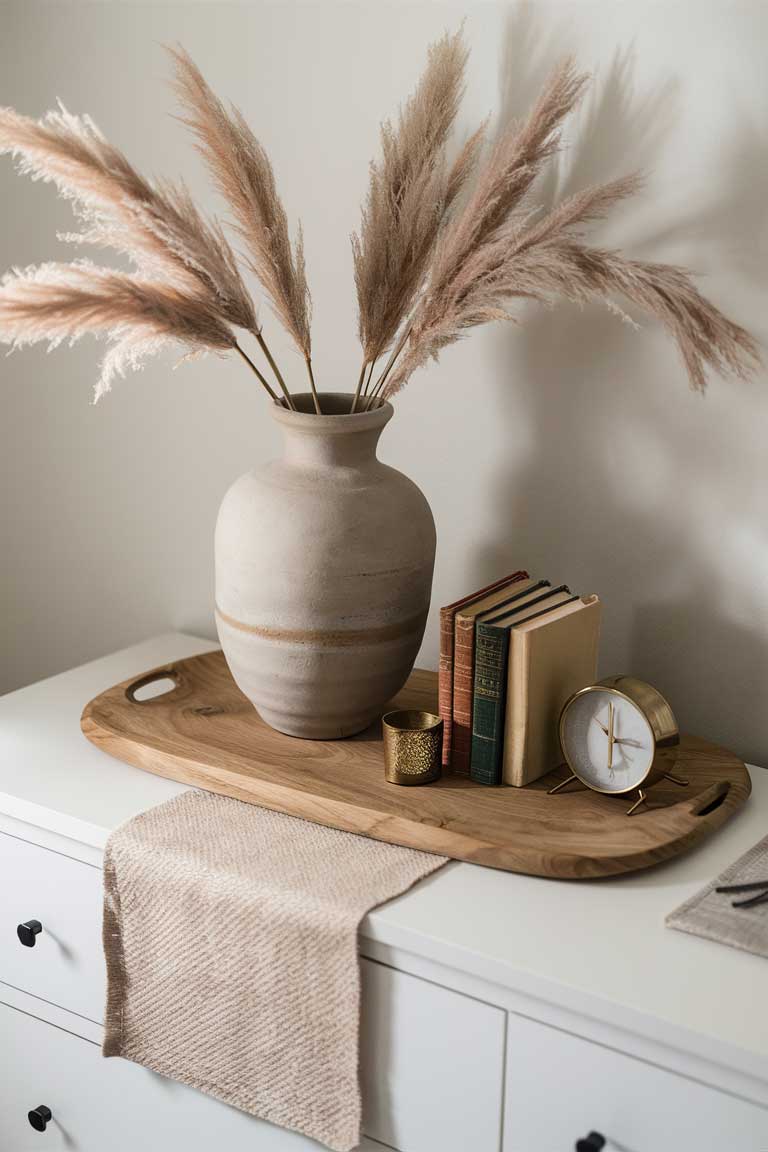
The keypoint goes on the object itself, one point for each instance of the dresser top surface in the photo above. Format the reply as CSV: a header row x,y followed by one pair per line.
x,y
595,947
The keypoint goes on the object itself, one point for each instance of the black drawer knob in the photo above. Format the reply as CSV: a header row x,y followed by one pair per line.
x,y
592,1143
39,1117
27,932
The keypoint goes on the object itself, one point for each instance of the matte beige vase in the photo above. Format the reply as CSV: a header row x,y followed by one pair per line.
x,y
324,564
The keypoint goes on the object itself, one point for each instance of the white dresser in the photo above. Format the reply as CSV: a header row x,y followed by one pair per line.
x,y
501,1013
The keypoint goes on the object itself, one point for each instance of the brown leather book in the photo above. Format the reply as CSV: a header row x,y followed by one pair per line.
x,y
445,667
550,658
464,664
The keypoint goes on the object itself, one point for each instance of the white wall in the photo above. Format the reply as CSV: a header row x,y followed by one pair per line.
x,y
585,457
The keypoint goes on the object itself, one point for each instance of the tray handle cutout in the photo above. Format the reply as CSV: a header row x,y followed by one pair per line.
x,y
711,798
158,683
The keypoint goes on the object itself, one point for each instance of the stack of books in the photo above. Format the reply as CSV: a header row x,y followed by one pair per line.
x,y
510,656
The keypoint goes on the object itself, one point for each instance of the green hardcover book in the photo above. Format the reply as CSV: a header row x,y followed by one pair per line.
x,y
490,685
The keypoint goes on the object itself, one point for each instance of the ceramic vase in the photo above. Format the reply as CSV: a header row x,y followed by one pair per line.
x,y
324,562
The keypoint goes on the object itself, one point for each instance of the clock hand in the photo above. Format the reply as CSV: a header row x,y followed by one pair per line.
x,y
610,736
618,739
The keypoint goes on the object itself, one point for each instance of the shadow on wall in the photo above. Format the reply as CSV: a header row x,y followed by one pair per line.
x,y
623,493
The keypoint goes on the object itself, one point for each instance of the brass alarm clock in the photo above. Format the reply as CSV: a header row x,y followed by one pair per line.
x,y
618,737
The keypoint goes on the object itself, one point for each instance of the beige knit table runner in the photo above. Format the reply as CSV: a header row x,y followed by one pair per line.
x,y
230,935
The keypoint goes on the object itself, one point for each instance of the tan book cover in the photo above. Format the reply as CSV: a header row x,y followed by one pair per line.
x,y
464,668
550,658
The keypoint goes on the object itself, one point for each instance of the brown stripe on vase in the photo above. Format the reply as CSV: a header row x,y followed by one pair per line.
x,y
333,637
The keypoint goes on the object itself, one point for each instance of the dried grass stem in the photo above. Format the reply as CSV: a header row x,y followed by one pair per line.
x,y
359,388
315,396
270,359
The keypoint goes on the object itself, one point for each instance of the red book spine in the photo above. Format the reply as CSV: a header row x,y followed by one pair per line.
x,y
446,664
445,680
463,684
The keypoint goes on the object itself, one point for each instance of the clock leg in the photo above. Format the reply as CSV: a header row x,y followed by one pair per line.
x,y
676,779
641,798
562,784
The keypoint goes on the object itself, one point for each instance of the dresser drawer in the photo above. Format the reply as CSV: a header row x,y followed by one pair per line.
x,y
432,1065
415,1099
99,1105
66,964
561,1087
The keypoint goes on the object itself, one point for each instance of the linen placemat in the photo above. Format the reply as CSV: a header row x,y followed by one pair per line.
x,y
712,915
230,934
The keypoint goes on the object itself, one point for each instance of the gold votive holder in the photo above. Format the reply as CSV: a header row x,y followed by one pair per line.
x,y
413,745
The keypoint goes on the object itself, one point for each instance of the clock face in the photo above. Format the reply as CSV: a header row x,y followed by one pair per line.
x,y
616,765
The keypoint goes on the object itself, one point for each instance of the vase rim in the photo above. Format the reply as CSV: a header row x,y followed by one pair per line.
x,y
338,419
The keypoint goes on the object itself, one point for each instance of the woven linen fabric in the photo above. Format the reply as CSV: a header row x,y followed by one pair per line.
x,y
230,935
712,915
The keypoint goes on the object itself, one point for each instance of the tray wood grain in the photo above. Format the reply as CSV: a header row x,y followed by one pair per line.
x,y
205,733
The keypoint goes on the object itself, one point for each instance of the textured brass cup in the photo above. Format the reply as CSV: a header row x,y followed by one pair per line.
x,y
413,743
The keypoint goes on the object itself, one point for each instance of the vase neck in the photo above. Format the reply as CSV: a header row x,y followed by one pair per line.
x,y
330,450
334,439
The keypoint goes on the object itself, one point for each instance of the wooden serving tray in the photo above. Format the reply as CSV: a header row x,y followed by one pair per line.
x,y
205,733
